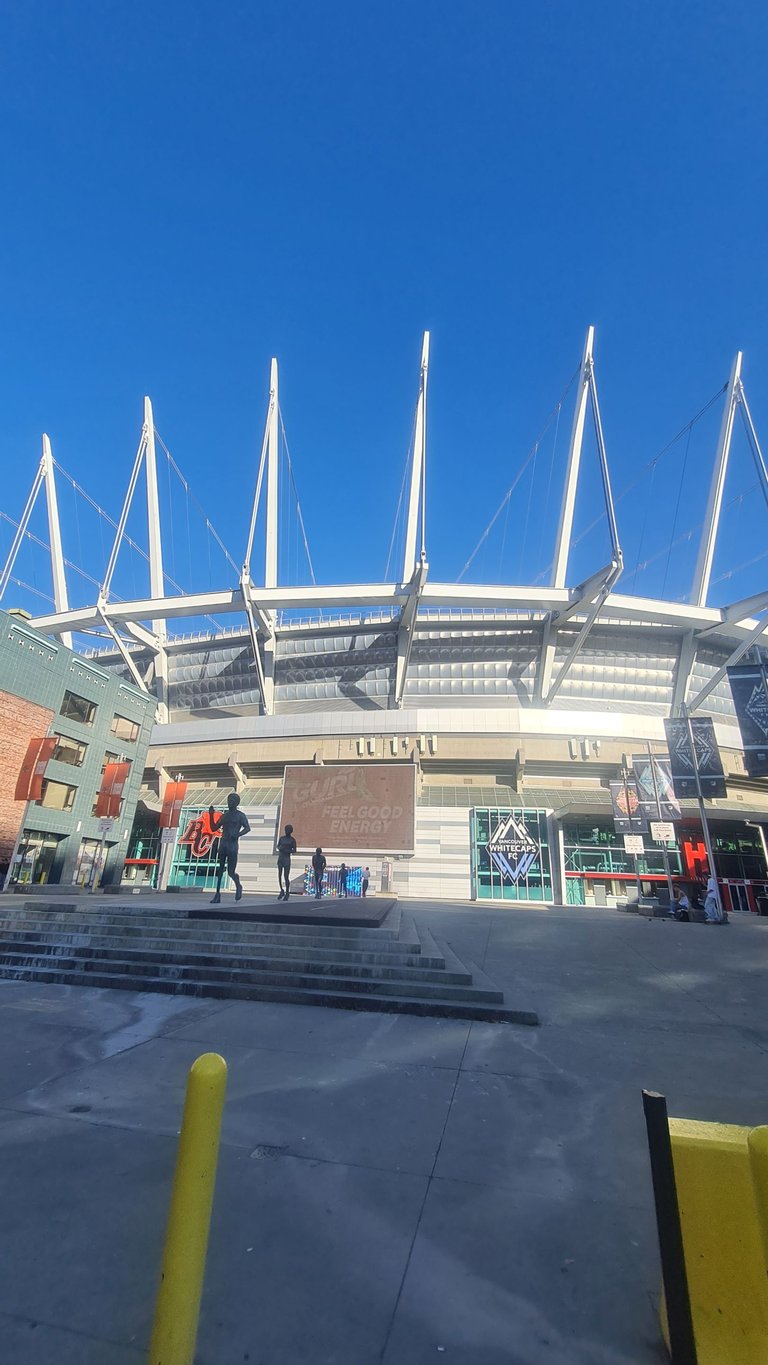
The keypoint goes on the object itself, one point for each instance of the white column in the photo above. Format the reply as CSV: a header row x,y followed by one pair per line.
x,y
270,566
416,499
156,583
563,546
714,505
156,579
54,536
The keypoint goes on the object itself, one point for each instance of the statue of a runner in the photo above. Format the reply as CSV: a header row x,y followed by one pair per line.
x,y
230,827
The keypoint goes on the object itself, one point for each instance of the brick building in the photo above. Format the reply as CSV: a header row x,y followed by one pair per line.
x,y
96,718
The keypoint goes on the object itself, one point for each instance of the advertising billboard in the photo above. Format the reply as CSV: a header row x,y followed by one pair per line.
x,y
350,807
703,755
29,783
654,783
628,814
173,801
749,689
109,801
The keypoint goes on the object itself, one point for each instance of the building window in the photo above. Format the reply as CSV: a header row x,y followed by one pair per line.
x,y
510,854
593,851
69,751
78,708
57,795
125,729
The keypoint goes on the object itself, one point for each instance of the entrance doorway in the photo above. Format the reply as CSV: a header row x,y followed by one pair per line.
x,y
739,896
34,859
87,857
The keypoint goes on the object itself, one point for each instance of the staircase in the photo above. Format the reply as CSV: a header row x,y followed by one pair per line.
x,y
396,968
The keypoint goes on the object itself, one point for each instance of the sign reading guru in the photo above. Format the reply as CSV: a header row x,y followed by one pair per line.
x,y
367,808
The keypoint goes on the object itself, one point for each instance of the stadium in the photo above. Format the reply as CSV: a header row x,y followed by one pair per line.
x,y
508,708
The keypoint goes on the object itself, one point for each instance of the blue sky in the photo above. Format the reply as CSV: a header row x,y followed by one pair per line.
x,y
191,188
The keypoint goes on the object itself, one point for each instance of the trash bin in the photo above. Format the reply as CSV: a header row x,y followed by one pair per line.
x,y
762,906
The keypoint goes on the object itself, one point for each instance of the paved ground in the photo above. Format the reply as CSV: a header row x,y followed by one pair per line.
x,y
392,1190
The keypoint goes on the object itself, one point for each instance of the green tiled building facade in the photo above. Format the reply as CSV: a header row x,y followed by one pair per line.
x,y
47,689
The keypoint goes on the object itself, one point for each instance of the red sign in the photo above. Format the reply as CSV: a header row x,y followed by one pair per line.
x,y
200,835
172,804
29,784
110,797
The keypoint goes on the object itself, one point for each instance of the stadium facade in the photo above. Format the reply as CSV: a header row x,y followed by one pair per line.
x,y
516,705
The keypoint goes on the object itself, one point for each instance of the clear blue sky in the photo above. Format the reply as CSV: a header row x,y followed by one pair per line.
x,y
191,188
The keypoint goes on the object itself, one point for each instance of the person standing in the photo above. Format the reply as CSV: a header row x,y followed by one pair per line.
x,y
343,880
318,868
366,879
286,845
230,827
712,910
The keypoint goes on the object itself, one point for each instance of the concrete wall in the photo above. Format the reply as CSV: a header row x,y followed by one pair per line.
x,y
440,867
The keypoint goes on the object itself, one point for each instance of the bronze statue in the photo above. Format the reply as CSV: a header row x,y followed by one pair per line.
x,y
286,845
233,825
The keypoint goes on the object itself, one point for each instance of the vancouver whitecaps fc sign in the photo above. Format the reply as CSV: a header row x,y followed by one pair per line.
x,y
511,848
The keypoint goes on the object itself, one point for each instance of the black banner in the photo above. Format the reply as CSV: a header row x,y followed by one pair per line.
x,y
749,689
667,807
628,814
685,758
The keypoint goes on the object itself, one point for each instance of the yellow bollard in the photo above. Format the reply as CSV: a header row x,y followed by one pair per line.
x,y
722,1201
757,1143
181,1278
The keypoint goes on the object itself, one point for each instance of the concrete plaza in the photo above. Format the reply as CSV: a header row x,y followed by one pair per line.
x,y
392,1190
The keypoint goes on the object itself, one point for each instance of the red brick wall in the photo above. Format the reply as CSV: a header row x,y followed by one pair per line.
x,y
20,721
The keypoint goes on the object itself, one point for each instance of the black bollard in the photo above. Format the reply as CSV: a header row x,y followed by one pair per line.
x,y
682,1342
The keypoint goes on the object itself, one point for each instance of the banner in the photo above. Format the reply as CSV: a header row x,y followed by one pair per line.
x,y
351,807
110,797
686,758
172,804
628,814
29,784
645,767
749,689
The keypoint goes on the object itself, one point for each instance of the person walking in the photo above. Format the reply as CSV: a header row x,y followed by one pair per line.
x,y
713,912
318,867
343,880
286,845
711,908
366,879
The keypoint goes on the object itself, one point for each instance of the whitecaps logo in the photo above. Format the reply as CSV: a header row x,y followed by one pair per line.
x,y
512,849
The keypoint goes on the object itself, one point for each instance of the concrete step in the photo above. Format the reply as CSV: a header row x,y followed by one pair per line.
x,y
393,967
197,931
219,931
436,1006
121,941
409,981
196,965
116,913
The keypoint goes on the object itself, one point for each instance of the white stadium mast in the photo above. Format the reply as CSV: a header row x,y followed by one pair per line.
x,y
414,570
587,599
568,614
45,476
